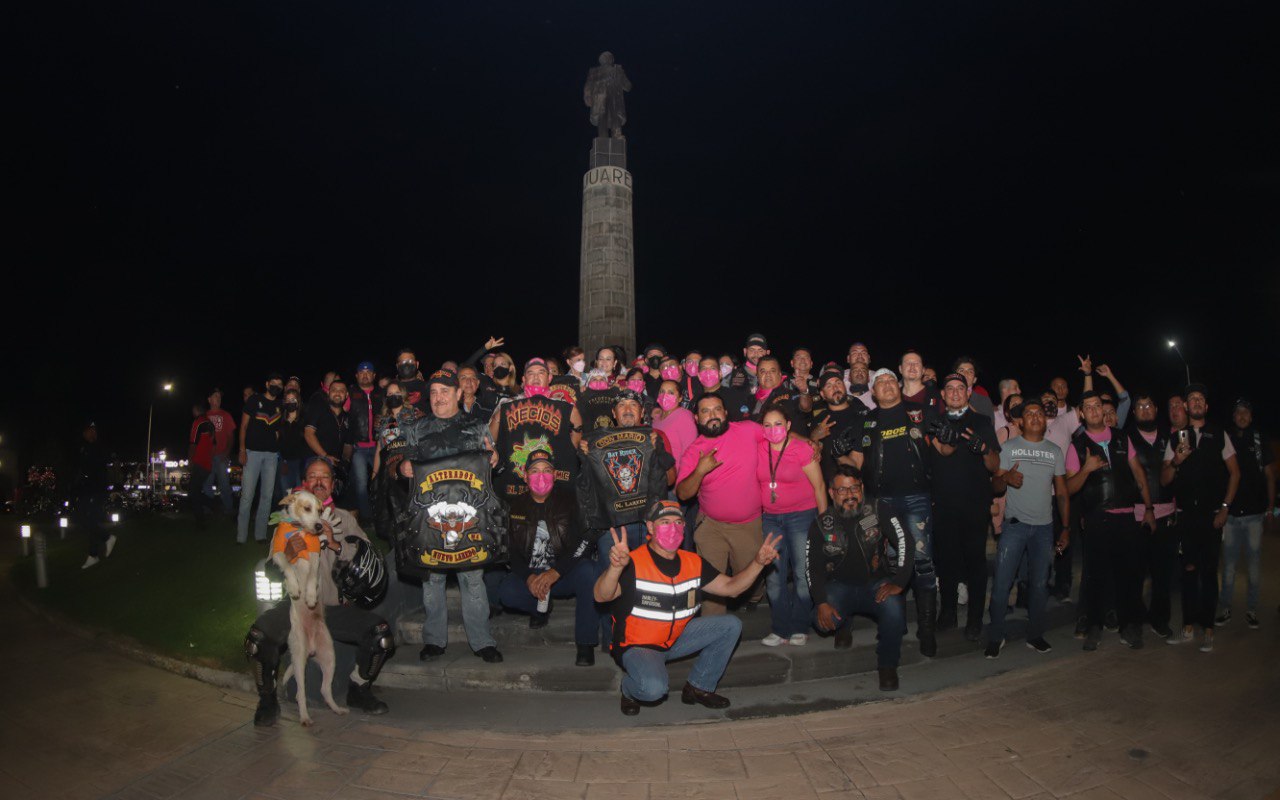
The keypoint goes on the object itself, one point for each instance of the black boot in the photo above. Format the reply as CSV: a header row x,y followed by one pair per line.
x,y
360,696
947,607
586,656
268,711
926,621
973,621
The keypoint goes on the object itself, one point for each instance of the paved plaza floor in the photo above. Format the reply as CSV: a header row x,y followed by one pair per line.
x,y
81,721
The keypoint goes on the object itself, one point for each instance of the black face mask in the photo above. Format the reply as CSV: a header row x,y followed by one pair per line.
x,y
273,391
858,388
290,406
407,370
1146,426
654,361
501,371
394,401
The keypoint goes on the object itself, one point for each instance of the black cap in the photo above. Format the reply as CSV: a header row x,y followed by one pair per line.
x,y
1242,402
629,394
444,377
1196,387
653,346
538,455
955,376
663,508
757,339
834,374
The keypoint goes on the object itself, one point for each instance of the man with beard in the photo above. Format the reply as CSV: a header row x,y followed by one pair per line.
x,y
962,508
1162,546
1200,463
744,377
1103,468
448,432
859,560
737,402
836,421
1253,502
259,456
1030,475
893,455
328,433
409,376
719,468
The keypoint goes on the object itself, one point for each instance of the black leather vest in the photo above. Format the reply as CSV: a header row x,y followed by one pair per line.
x,y
533,423
621,476
1113,486
1151,457
454,521
1202,478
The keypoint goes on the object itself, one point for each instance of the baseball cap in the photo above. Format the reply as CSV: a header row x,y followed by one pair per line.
x,y
365,365
830,375
664,508
880,373
955,376
1242,402
628,394
538,455
1196,387
757,339
534,362
444,377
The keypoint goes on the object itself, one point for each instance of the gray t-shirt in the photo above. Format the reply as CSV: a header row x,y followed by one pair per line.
x,y
1038,462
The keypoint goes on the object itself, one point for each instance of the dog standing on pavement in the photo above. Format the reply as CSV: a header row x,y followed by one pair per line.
x,y
295,548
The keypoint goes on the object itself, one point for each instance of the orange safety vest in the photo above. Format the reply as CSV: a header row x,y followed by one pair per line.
x,y
286,531
663,604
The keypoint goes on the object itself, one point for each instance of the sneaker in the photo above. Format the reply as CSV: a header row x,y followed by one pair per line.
x,y
1082,627
1251,619
1132,636
1111,622
90,562
111,544
973,633
962,595
1188,634
798,639
1207,645
993,649
1092,638
1223,618
772,640
1039,645
1164,632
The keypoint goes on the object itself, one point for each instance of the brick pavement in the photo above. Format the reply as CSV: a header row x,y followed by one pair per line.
x,y
1164,722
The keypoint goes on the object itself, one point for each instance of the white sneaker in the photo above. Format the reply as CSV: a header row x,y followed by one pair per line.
x,y
798,639
111,544
1207,645
89,562
962,595
772,640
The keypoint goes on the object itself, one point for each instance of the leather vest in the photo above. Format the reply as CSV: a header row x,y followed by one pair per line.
x,y
1113,486
533,423
426,438
621,476
558,511
1151,457
454,520
1202,478
873,449
663,605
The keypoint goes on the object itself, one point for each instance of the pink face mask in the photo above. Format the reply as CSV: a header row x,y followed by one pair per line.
x,y
541,482
762,393
667,401
599,386
670,373
578,366
669,535
636,386
691,369
709,377
775,434
536,391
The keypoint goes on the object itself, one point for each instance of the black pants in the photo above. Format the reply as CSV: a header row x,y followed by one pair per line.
x,y
960,549
1115,549
89,512
1201,547
1162,557
1060,584
196,501
346,624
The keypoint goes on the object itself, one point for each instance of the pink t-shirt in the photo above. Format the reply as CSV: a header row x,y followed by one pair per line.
x,y
1162,509
680,430
1103,437
794,491
730,492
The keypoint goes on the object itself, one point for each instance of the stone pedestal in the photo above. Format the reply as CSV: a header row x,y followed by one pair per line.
x,y
606,296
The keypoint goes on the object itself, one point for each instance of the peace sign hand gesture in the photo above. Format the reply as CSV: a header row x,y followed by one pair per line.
x,y
619,555
769,550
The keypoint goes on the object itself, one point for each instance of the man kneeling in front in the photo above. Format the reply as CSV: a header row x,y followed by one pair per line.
x,y
654,593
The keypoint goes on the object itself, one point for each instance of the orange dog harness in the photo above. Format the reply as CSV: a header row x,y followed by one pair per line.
x,y
286,531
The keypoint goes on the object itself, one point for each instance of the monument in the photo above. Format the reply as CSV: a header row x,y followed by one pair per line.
x,y
606,296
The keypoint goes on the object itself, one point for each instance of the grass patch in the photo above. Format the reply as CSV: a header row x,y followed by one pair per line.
x,y
180,591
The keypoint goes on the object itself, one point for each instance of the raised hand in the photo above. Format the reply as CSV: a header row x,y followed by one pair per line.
x,y
769,550
1104,370
1013,477
619,555
1086,364
822,429
708,461
976,445
494,341
1094,462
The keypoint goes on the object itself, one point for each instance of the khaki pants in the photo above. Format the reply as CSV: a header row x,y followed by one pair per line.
x,y
729,548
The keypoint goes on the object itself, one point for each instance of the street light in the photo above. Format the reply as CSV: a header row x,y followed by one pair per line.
x,y
1174,347
168,389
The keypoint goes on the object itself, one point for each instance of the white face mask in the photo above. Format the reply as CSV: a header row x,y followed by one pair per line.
x,y
725,370
578,365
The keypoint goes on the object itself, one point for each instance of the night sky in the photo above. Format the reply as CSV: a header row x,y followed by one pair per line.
x,y
201,192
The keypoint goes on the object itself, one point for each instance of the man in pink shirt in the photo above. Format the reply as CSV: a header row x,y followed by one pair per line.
x,y
719,468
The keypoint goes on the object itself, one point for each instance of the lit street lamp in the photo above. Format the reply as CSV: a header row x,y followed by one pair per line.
x,y
1174,347
168,389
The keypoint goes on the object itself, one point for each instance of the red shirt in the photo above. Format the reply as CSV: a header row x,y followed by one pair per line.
x,y
202,439
224,425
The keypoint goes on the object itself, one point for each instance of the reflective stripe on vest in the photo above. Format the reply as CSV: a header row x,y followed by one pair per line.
x,y
663,604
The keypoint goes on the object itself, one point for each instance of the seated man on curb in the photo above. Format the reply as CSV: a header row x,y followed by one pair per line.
x,y
547,544
269,634
860,559
656,591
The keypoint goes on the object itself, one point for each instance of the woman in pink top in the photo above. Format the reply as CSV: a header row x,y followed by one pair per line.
x,y
676,422
792,493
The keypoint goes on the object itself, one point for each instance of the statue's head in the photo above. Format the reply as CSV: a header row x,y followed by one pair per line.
x,y
606,58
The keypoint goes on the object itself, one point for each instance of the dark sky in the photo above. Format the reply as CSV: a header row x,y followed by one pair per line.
x,y
205,191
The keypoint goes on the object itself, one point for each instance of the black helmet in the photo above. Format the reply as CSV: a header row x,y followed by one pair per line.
x,y
363,579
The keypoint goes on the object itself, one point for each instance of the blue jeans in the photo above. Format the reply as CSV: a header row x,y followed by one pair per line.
x,y
712,638
475,609
288,475
789,609
258,479
916,511
890,616
222,479
579,584
361,468
1036,541
1239,531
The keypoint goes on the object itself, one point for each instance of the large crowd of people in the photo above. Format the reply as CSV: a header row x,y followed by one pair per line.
x,y
830,491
